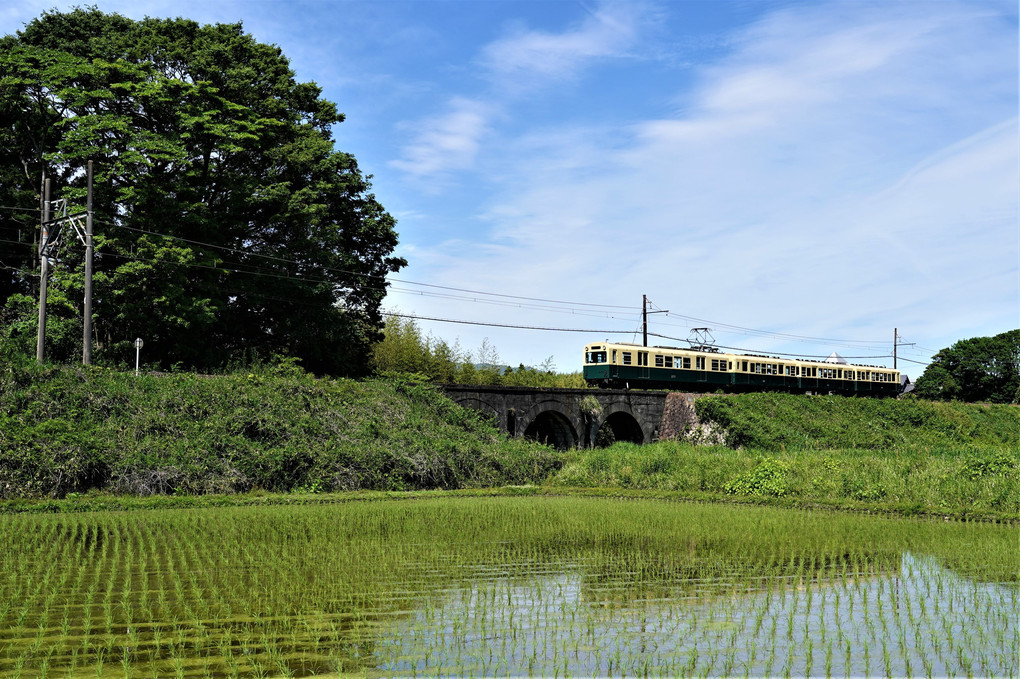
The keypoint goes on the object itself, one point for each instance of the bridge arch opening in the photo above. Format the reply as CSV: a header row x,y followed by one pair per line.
x,y
552,428
619,426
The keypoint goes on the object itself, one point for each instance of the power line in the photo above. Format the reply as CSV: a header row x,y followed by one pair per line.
x,y
768,333
507,325
306,279
356,273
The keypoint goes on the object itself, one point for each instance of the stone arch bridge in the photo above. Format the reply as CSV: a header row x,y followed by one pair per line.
x,y
568,418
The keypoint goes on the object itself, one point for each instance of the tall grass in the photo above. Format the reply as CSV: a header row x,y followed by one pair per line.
x,y
75,429
974,481
774,421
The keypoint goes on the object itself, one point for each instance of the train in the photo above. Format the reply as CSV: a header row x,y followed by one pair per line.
x,y
706,369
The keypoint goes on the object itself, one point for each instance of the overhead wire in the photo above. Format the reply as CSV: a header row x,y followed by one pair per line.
x,y
357,273
259,271
506,325
733,327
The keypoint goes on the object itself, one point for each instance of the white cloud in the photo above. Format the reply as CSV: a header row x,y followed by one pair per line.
x,y
843,172
514,64
528,55
447,142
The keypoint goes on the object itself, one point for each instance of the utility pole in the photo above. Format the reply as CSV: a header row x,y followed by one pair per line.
x,y
44,269
895,344
86,356
644,318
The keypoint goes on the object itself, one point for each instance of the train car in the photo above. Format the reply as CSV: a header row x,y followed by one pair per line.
x,y
632,366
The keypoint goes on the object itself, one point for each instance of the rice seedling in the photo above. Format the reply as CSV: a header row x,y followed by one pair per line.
x,y
505,586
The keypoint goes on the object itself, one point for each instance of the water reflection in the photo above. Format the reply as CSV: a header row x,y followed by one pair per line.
x,y
916,619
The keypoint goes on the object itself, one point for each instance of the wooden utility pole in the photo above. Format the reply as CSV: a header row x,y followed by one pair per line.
x,y
86,354
44,270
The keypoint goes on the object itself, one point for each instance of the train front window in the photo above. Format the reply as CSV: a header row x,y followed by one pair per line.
x,y
595,357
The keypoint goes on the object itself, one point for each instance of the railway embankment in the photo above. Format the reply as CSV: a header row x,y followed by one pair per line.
x,y
276,434
271,429
901,456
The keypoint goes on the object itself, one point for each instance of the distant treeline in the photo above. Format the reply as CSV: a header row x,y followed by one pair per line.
x,y
979,369
405,349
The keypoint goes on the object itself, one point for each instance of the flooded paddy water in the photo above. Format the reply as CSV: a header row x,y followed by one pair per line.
x,y
539,586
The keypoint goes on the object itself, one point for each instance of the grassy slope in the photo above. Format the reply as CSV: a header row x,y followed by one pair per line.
x,y
905,456
770,421
71,430
67,430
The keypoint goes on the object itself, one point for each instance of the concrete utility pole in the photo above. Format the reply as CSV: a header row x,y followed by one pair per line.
x,y
44,269
86,354
644,318
895,344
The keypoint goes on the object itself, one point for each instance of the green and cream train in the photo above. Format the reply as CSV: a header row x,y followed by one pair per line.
x,y
635,366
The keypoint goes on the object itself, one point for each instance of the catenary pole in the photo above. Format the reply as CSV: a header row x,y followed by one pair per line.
x,y
86,354
895,344
644,320
44,268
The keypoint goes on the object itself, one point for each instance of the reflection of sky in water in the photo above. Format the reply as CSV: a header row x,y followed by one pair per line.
x,y
922,621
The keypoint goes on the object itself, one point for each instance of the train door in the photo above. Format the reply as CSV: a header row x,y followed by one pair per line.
x,y
642,361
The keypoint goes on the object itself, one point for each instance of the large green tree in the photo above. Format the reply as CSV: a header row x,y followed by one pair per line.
x,y
976,369
225,219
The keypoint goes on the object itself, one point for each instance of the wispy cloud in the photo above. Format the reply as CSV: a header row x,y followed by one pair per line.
x,y
838,172
447,142
513,65
530,56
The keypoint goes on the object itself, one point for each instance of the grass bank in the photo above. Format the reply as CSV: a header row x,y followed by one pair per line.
x,y
976,483
903,456
774,422
72,430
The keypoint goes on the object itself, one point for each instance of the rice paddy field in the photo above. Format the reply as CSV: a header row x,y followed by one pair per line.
x,y
505,586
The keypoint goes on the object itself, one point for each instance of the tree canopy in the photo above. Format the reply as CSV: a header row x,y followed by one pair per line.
x,y
976,369
225,220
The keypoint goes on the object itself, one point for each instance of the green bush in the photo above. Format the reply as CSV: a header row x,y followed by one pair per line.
x,y
270,427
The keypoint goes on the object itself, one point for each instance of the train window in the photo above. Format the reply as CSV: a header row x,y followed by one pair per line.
x,y
596,357
642,358
669,361
731,365
660,362
626,357
614,355
744,364
699,362
687,363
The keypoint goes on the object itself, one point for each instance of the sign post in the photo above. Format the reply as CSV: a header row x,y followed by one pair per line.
x,y
138,353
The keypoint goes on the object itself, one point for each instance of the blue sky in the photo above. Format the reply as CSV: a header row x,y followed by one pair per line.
x,y
773,170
